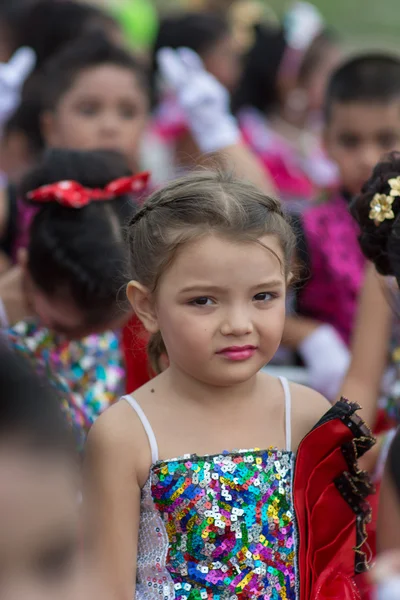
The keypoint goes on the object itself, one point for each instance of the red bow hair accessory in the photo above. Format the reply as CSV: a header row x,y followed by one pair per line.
x,y
74,195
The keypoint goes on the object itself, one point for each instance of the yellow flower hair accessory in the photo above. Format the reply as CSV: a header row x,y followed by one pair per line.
x,y
394,186
381,207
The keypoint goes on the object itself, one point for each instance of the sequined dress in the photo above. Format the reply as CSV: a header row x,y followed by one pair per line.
x,y
89,374
220,526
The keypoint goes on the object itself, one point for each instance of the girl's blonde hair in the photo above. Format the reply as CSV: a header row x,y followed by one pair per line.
x,y
205,202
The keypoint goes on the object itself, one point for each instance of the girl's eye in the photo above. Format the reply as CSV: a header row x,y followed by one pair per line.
x,y
264,297
127,111
202,301
89,109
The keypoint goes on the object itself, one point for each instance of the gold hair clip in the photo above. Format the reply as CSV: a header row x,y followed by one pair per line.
x,y
381,208
381,205
394,186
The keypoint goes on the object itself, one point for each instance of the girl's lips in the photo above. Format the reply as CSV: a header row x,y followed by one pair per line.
x,y
238,352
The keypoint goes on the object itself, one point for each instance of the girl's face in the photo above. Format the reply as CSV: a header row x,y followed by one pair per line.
x,y
105,108
61,315
318,80
40,541
223,61
221,308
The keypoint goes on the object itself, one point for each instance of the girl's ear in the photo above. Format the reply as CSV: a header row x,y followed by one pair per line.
x,y
289,279
140,300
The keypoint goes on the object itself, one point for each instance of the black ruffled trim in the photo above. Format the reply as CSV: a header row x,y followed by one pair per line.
x,y
355,485
345,411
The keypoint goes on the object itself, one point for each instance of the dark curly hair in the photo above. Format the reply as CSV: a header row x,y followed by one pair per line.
x,y
60,72
48,26
380,243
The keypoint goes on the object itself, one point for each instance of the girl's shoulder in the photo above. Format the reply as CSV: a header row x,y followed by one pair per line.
x,y
118,436
307,409
303,406
118,429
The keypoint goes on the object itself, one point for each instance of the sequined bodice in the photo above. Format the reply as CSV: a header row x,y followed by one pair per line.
x,y
219,527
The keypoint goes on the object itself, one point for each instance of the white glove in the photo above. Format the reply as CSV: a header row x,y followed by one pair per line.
x,y
204,100
12,77
327,359
386,576
390,590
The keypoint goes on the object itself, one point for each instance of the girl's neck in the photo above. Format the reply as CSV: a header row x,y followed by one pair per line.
x,y
204,394
290,131
299,137
13,297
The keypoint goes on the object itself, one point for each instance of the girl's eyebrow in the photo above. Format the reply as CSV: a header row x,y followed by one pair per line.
x,y
201,286
214,288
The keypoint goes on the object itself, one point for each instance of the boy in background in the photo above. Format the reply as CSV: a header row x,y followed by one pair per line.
x,y
362,123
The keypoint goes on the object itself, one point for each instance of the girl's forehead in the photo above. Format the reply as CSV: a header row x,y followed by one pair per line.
x,y
107,78
217,257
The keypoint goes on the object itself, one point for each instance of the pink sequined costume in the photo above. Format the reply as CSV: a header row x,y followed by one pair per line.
x,y
296,177
337,265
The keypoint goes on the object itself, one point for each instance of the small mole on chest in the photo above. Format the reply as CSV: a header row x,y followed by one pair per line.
x,y
152,391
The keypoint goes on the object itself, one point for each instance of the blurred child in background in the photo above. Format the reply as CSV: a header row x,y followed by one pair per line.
x,y
93,95
210,36
41,542
280,97
376,210
62,300
45,27
362,113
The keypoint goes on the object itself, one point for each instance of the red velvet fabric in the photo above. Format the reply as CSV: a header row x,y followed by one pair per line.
x,y
327,522
135,339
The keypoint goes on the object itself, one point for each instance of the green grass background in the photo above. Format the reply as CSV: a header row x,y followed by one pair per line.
x,y
361,22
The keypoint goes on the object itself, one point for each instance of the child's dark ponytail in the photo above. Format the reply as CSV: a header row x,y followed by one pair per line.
x,y
79,253
377,211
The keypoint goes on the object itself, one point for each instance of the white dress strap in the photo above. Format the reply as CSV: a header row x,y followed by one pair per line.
x,y
288,412
146,426
4,324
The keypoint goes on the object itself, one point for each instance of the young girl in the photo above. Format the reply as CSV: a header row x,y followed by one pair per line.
x,y
41,528
45,27
180,511
378,237
279,101
95,95
204,68
62,300
210,36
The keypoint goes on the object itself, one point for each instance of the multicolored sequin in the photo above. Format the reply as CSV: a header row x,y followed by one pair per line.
x,y
88,373
224,530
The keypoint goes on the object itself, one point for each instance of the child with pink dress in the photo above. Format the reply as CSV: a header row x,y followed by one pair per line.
x,y
362,123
